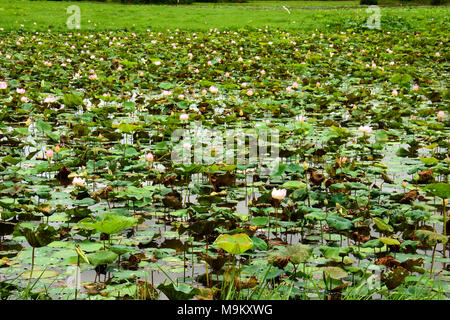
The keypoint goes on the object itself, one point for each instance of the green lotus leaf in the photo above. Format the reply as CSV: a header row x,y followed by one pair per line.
x,y
259,221
296,254
430,161
234,244
390,241
335,272
293,185
259,244
339,223
374,243
39,274
430,237
40,236
182,291
120,249
329,252
101,257
110,223
441,190
383,226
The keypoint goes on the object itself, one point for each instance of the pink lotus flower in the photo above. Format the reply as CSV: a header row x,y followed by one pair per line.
x,y
244,84
278,194
49,153
317,84
20,90
50,99
416,88
149,157
3,85
441,114
184,116
24,99
249,92
157,63
394,93
213,90
295,85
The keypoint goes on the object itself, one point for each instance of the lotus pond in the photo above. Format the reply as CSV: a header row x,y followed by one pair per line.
x,y
354,205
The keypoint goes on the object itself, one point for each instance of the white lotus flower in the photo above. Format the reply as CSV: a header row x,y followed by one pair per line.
x,y
365,129
78,182
278,194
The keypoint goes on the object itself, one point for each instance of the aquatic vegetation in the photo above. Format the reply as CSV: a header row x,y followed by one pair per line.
x,y
251,164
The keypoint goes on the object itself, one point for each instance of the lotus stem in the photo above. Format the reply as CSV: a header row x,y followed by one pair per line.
x,y
192,251
32,267
432,260
184,263
76,276
445,225
206,264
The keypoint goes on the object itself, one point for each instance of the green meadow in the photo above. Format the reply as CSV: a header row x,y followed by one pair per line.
x,y
44,15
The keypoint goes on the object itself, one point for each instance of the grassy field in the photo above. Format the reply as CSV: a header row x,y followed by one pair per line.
x,y
313,4
43,15
290,4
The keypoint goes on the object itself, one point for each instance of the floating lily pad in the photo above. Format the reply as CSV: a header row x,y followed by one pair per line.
x,y
47,274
